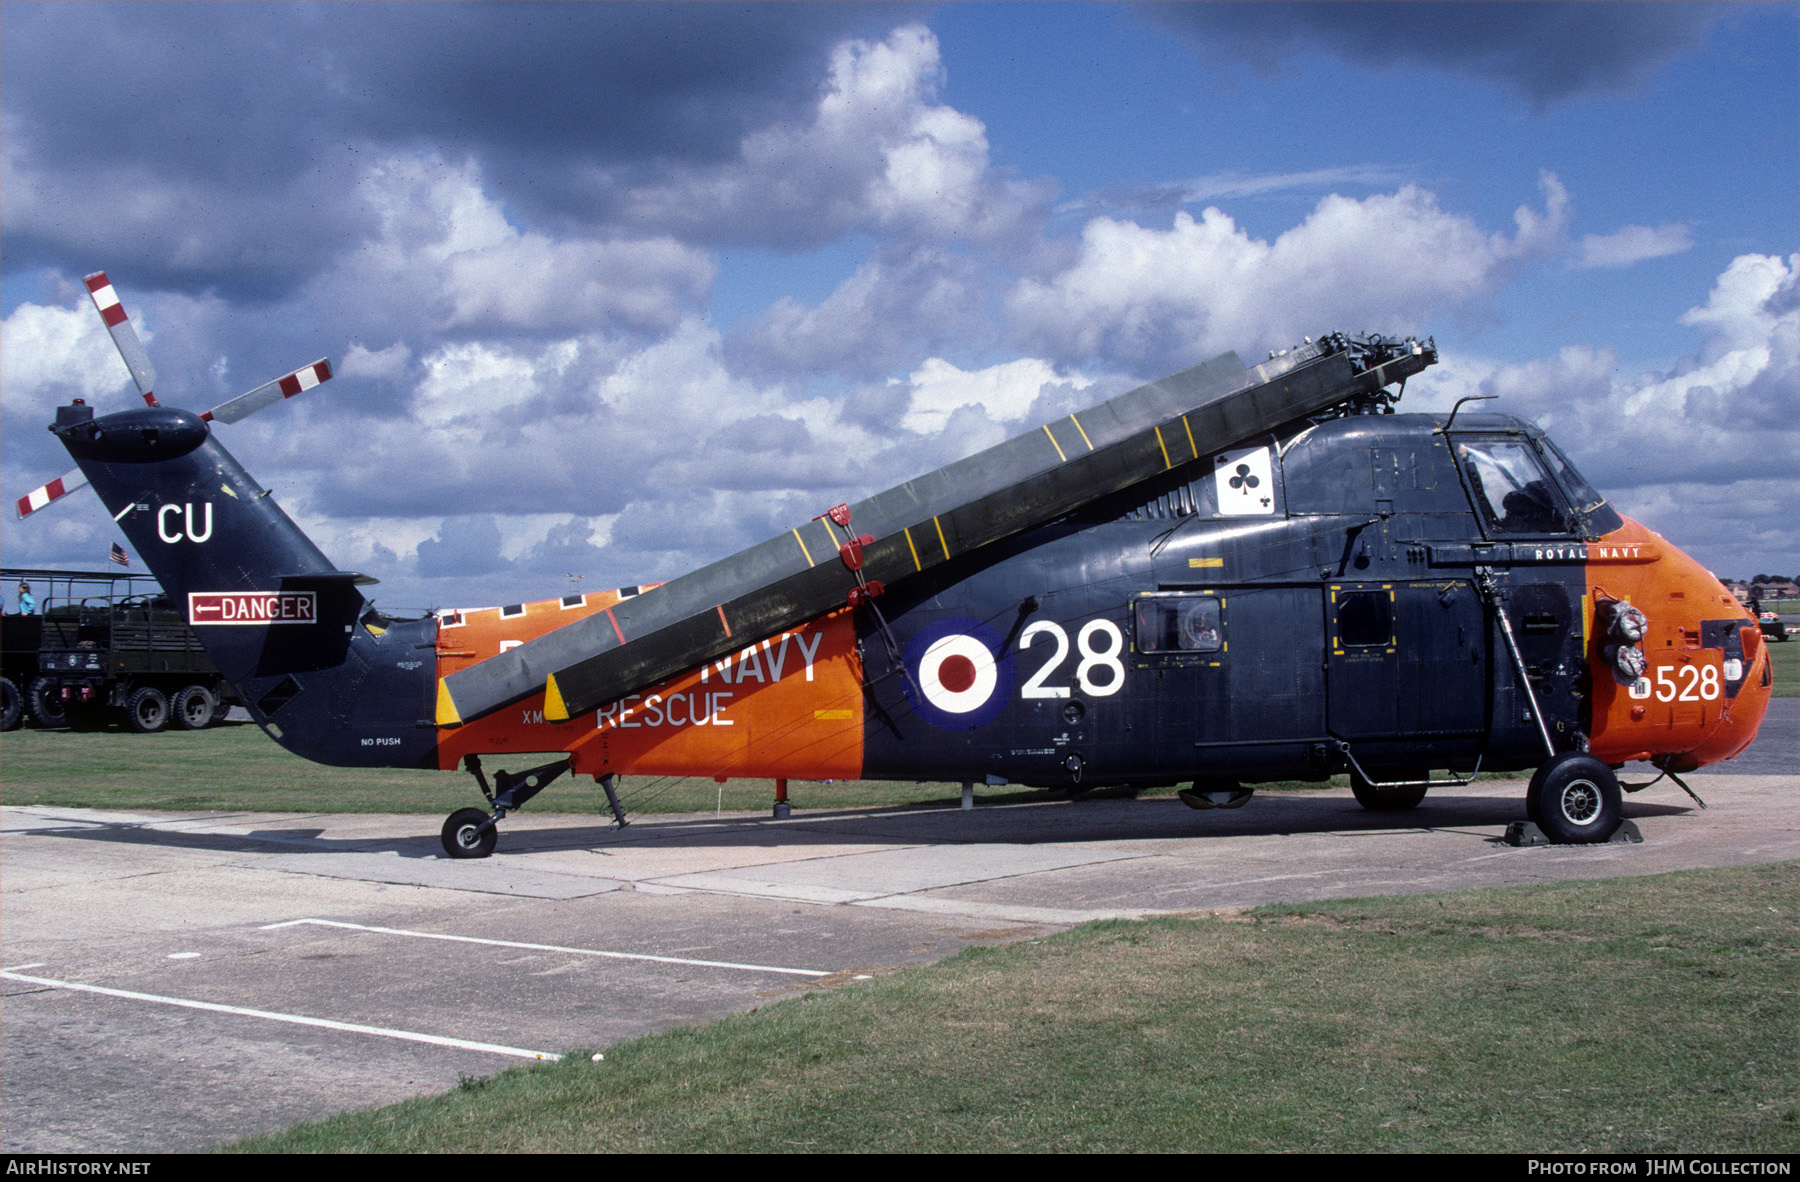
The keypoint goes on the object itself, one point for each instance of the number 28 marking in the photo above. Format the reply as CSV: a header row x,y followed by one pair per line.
x,y
1100,673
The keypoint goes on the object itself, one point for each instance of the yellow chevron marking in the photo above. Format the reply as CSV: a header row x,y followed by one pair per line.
x,y
555,710
446,707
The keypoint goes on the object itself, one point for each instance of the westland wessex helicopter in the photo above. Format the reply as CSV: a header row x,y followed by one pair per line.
x,y
1229,576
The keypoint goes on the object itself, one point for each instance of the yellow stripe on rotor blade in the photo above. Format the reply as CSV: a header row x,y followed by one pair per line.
x,y
1083,431
447,714
554,708
1056,445
1167,463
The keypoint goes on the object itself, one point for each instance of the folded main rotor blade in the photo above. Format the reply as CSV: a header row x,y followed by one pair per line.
x,y
268,394
112,314
1024,482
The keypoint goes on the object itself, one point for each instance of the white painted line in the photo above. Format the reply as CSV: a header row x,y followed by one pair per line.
x,y
19,968
295,1019
705,964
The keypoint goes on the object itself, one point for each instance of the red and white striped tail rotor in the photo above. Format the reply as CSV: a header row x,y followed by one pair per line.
x,y
112,313
49,494
286,386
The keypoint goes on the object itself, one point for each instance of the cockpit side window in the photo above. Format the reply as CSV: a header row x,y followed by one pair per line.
x,y
1586,498
1512,491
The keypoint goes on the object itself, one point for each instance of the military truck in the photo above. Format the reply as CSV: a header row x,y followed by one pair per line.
x,y
109,649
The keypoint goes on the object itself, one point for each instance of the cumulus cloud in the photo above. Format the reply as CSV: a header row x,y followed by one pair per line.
x,y
1163,298
212,147
896,303
54,354
878,154
1632,244
1723,416
1006,392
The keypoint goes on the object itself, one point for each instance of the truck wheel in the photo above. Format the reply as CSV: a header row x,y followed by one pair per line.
x,y
43,701
1391,801
194,708
1574,798
12,705
146,710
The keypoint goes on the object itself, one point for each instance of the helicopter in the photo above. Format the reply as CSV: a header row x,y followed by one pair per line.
x,y
1234,575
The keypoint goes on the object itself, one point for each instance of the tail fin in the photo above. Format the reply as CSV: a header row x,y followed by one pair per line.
x,y
279,620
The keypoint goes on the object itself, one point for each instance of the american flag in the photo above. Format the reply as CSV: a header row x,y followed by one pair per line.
x,y
119,556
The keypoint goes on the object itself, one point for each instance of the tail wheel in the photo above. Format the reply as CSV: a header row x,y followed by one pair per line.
x,y
1575,800
468,835
194,708
12,705
146,710
43,701
1391,800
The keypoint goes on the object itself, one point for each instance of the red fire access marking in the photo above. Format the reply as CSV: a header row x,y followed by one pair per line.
x,y
252,607
721,608
614,621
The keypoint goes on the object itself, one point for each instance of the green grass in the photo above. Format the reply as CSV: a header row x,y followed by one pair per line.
x,y
1646,1015
1784,661
238,768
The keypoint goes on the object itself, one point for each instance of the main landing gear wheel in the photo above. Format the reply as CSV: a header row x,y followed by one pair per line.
x,y
1574,799
1392,800
464,836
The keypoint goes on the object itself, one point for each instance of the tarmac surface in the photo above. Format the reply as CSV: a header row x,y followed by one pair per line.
x,y
176,980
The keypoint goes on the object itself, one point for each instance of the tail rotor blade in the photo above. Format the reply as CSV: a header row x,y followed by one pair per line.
x,y
112,312
286,386
56,490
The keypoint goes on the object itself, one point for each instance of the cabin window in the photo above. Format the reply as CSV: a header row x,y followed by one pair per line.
x,y
1365,618
1511,490
1179,624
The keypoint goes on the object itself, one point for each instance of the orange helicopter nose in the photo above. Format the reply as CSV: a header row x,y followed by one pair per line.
x,y
1742,715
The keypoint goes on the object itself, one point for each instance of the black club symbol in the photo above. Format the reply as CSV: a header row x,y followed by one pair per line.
x,y
1243,479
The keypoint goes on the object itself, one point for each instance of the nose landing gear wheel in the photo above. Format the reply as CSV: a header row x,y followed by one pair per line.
x,y
1575,799
464,836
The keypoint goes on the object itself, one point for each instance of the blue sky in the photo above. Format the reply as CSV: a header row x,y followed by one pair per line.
x,y
615,290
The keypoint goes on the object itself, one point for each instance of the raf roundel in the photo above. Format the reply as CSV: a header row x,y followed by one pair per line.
x,y
957,674
955,665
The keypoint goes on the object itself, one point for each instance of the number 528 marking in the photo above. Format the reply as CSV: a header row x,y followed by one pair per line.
x,y
1687,683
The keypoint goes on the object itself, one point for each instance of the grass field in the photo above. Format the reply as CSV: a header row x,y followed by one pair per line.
x,y
1784,660
1647,1015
